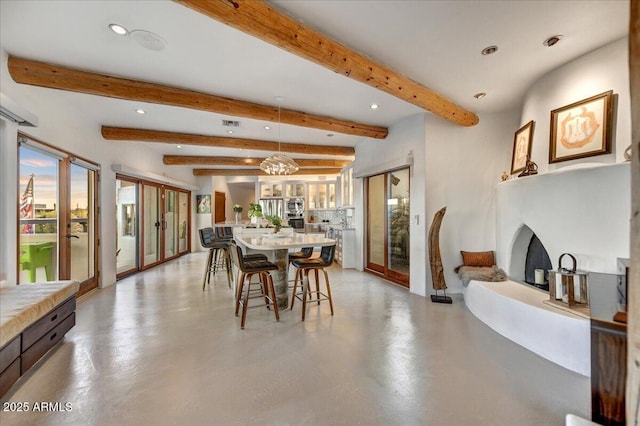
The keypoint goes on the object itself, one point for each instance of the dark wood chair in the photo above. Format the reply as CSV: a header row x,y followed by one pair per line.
x,y
304,266
248,268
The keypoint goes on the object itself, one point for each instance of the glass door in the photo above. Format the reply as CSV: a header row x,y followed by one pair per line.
x,y
126,226
183,218
58,216
170,223
388,222
151,225
80,223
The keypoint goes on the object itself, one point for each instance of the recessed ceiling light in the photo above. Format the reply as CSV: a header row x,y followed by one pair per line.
x,y
140,111
374,106
490,50
230,131
480,95
552,41
267,128
118,29
178,146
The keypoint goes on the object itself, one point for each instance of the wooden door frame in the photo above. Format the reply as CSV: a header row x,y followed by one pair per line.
x,y
64,213
215,206
383,271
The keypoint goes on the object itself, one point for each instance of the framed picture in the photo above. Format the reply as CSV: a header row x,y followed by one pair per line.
x,y
522,147
203,203
582,129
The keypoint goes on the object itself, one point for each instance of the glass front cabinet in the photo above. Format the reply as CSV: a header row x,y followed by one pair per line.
x,y
321,195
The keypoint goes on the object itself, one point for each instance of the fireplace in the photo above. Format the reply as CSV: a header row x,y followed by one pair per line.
x,y
537,260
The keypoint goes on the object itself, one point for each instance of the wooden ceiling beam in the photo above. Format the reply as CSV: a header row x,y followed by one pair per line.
x,y
142,135
258,172
185,160
261,20
43,74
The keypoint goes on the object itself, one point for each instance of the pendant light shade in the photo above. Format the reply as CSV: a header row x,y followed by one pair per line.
x,y
279,164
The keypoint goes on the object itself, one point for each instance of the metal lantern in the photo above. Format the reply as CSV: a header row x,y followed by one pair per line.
x,y
568,284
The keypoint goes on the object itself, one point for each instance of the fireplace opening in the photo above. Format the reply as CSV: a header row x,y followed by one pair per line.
x,y
537,264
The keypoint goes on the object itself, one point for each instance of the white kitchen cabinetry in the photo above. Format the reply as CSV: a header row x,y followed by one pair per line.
x,y
294,190
345,247
268,190
321,195
346,186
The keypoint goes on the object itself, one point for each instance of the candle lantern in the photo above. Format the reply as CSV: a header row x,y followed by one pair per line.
x,y
568,285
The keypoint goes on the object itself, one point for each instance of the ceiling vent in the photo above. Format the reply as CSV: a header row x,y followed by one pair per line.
x,y
230,123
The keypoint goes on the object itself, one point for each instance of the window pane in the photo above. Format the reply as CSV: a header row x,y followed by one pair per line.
x,y
127,226
398,220
81,230
38,229
376,202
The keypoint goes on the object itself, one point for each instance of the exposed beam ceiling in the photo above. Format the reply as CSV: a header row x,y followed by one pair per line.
x,y
258,172
142,135
263,21
52,76
181,160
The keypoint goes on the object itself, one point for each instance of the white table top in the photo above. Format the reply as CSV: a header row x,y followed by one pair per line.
x,y
286,241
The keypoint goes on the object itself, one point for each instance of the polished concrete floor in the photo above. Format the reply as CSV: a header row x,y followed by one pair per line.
x,y
156,349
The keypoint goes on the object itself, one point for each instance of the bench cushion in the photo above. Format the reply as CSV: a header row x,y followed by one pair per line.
x,y
23,305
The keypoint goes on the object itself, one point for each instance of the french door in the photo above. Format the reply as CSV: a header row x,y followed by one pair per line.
x,y
388,220
152,224
58,216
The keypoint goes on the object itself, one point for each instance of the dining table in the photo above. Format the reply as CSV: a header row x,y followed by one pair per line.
x,y
276,246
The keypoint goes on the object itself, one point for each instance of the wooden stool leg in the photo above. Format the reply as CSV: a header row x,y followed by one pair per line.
x,y
326,282
245,304
315,271
274,301
227,260
207,269
239,286
305,290
295,285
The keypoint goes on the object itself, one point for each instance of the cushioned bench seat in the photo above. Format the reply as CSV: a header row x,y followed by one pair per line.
x,y
33,318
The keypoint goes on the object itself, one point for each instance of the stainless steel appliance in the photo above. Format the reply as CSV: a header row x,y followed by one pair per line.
x,y
273,207
295,207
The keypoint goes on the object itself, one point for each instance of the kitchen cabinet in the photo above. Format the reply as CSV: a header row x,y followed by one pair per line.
x,y
346,186
268,190
345,247
321,195
294,190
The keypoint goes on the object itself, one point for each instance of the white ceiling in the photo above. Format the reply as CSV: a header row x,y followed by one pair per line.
x,y
436,43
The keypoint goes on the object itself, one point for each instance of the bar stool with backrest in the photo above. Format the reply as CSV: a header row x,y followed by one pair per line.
x,y
304,267
208,240
248,268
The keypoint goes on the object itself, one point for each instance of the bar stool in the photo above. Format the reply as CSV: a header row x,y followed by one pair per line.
x,y
304,267
304,253
208,240
249,268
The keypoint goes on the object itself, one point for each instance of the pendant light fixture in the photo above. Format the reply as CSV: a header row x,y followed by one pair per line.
x,y
279,164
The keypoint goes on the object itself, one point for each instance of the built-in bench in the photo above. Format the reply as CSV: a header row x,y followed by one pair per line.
x,y
518,312
33,318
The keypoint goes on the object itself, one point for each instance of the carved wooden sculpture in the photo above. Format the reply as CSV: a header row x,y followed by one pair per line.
x,y
437,271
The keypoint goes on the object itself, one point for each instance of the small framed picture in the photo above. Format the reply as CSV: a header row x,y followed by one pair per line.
x,y
582,129
522,147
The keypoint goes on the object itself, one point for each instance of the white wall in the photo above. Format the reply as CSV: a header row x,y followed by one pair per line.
x,y
590,207
242,193
202,220
376,156
583,211
596,72
463,166
59,126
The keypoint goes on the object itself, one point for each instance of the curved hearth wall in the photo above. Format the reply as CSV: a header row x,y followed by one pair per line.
x,y
581,210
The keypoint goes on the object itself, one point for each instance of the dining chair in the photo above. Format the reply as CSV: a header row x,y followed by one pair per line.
x,y
304,266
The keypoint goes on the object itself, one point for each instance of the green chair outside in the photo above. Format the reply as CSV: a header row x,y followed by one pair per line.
x,y
33,256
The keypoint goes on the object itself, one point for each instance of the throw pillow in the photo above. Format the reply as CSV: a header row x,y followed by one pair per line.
x,y
478,258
